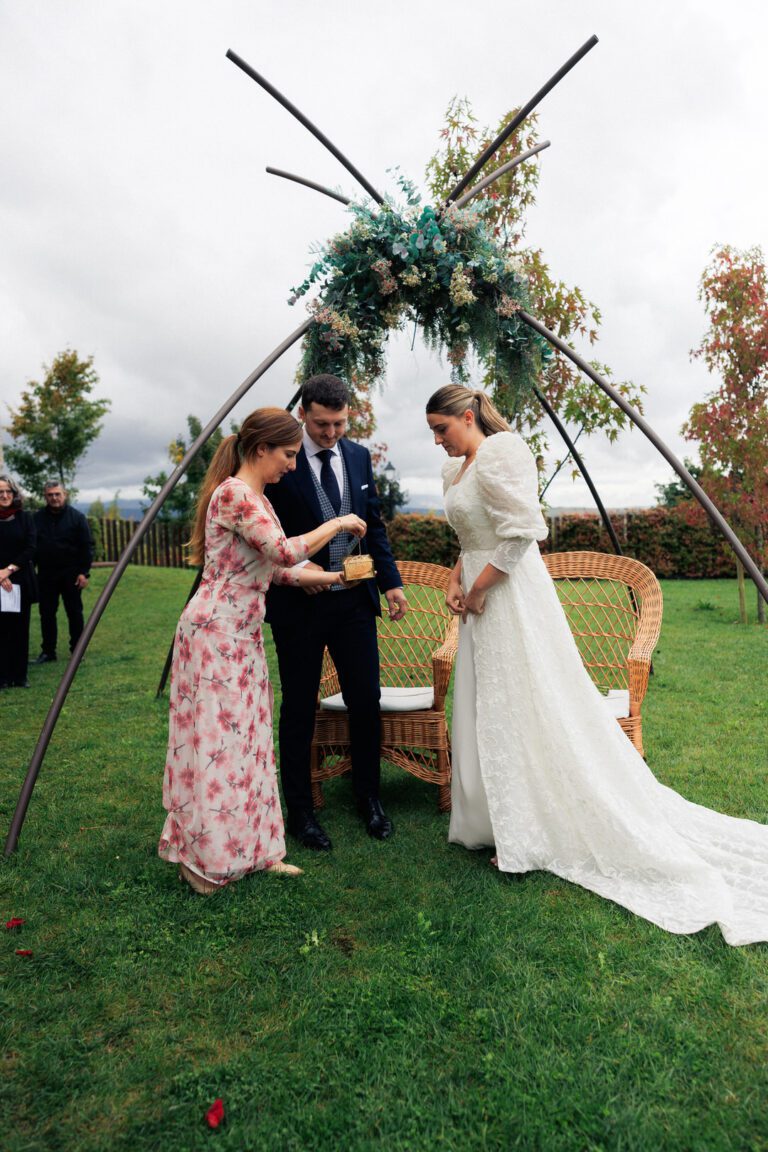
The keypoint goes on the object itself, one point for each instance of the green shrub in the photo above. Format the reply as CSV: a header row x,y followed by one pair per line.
x,y
674,542
429,539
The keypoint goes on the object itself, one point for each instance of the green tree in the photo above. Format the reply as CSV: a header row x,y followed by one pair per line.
x,y
113,511
182,502
565,310
731,423
55,423
97,510
675,492
391,495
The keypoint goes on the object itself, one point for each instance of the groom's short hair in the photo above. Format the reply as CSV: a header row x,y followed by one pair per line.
x,y
324,389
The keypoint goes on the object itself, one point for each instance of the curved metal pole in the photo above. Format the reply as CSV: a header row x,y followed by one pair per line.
x,y
499,172
294,111
106,593
517,120
169,658
562,463
707,504
582,468
309,184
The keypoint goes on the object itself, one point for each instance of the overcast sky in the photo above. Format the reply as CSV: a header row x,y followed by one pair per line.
x,y
137,223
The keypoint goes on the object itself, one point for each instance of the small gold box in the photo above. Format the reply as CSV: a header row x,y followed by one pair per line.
x,y
358,567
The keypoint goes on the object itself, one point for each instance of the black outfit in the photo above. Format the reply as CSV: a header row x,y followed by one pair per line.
x,y
345,621
17,546
64,552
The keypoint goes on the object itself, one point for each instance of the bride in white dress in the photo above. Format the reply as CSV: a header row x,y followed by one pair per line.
x,y
541,770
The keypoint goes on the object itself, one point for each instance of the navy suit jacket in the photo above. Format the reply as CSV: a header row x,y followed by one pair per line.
x,y
298,510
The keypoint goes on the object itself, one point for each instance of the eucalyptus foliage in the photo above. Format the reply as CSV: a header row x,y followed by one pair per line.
x,y
439,268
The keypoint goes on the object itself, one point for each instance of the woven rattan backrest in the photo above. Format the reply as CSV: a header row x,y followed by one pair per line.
x,y
612,603
406,647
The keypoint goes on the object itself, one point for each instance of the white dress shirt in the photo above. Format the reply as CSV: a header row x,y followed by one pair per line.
x,y
316,463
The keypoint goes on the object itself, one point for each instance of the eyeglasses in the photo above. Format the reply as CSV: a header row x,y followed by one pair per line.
x,y
6,492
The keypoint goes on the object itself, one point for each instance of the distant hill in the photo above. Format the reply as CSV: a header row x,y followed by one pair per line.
x,y
129,509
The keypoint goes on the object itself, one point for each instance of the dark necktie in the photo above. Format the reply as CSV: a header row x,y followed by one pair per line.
x,y
328,480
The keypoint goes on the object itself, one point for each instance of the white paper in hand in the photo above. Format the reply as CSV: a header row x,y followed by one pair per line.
x,y
10,601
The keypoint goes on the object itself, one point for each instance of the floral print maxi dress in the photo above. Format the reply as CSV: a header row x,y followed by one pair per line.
x,y
220,788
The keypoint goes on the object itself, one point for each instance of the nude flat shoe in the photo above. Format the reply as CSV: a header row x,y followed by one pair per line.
x,y
197,883
285,869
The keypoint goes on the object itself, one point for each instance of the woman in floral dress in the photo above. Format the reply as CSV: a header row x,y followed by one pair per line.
x,y
220,788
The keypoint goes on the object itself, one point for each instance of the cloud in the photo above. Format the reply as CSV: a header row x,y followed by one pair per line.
x,y
139,226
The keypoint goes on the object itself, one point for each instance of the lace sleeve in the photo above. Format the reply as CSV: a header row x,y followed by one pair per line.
x,y
508,482
241,510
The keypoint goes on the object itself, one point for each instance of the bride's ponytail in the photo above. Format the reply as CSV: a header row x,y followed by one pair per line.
x,y
455,399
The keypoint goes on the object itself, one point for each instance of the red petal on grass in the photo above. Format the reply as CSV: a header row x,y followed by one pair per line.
x,y
215,1114
14,922
24,952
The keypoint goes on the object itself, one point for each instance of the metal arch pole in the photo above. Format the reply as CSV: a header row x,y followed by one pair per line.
x,y
706,502
294,111
169,658
502,171
582,468
517,120
98,608
196,584
309,184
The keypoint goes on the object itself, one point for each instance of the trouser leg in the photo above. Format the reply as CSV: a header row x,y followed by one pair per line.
x,y
354,648
299,658
49,604
73,606
20,652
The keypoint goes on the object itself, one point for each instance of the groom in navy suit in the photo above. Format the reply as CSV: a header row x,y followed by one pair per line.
x,y
333,477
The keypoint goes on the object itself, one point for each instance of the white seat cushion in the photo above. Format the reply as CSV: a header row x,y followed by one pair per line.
x,y
617,702
392,700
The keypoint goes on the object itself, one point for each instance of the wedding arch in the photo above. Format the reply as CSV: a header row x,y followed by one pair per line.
x,y
437,266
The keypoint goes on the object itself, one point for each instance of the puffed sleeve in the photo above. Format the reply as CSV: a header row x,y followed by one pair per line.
x,y
449,472
241,510
508,482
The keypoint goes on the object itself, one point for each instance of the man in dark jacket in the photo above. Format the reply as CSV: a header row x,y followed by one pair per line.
x,y
333,476
64,557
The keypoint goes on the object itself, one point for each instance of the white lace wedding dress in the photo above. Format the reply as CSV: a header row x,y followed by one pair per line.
x,y
541,769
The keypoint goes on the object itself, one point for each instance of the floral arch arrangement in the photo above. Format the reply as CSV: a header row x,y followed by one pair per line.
x,y
439,269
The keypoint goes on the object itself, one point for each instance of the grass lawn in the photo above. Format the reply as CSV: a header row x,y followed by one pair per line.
x,y
400,994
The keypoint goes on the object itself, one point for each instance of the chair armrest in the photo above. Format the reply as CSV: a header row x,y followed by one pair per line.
x,y
639,667
329,679
442,663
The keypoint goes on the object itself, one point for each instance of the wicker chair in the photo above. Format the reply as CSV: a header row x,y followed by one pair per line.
x,y
614,606
416,657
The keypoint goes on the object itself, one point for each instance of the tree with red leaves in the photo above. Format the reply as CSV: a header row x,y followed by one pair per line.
x,y
731,423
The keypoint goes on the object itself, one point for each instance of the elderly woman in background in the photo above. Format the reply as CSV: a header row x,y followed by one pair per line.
x,y
18,584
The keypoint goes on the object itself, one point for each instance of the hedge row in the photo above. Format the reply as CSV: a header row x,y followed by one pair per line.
x,y
673,542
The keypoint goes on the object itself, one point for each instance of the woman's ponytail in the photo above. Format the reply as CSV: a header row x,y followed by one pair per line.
x,y
455,399
225,462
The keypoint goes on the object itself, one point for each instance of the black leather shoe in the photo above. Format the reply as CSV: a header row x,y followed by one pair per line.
x,y
305,828
377,823
44,658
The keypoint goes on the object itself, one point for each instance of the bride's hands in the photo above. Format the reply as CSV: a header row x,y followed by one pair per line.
x,y
474,603
454,598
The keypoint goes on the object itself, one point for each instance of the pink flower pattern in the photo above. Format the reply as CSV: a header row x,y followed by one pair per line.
x,y
220,787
